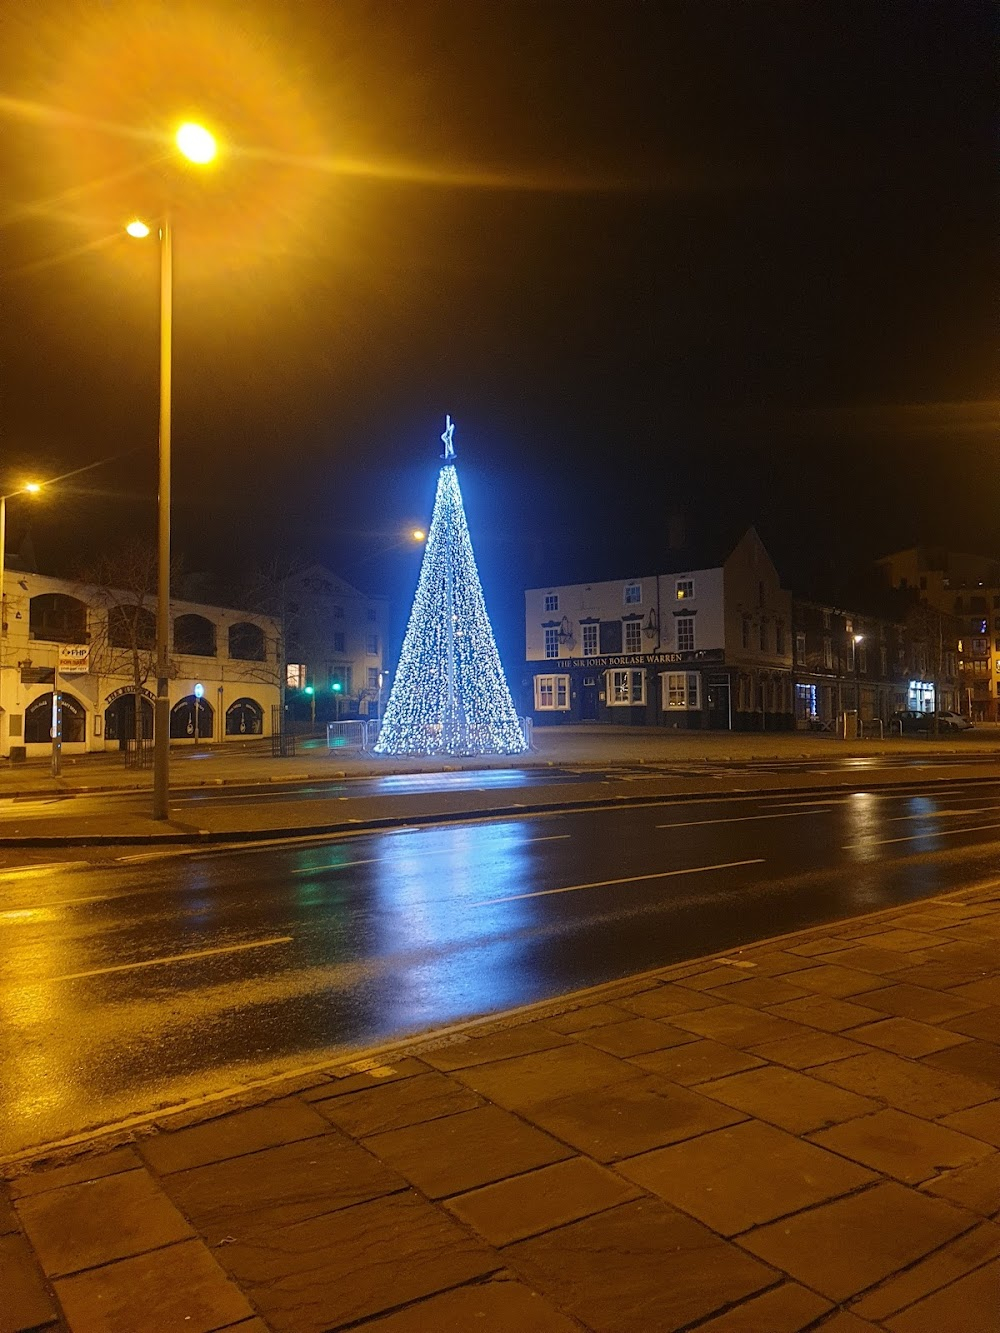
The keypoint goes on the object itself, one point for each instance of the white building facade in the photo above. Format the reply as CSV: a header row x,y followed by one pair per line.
x,y
88,645
698,647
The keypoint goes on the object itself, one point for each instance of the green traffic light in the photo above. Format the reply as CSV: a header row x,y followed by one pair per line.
x,y
337,687
309,689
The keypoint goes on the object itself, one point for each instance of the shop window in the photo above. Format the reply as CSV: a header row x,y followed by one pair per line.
x,y
681,690
38,720
245,717
626,687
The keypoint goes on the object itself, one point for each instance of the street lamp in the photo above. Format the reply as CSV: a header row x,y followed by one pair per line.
x,y
197,145
858,639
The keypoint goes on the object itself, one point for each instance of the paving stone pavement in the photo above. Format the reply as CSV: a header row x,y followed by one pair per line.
x,y
801,1135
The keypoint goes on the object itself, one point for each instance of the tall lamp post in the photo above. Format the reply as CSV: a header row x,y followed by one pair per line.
x,y
30,488
858,639
197,145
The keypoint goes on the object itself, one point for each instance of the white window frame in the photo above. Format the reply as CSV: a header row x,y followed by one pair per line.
x,y
628,683
632,629
686,620
590,637
627,594
552,694
551,640
684,590
552,601
680,691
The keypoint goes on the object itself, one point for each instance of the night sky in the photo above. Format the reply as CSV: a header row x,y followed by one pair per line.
x,y
734,260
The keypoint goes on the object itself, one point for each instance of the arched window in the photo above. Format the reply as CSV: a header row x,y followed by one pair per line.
x,y
192,719
246,642
195,636
132,627
58,618
38,720
245,717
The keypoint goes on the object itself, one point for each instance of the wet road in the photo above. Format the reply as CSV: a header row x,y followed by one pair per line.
x,y
127,987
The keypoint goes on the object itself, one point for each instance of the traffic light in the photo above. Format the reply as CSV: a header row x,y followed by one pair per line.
x,y
309,690
336,687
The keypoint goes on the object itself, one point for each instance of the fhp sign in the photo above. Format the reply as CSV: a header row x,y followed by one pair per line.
x,y
74,658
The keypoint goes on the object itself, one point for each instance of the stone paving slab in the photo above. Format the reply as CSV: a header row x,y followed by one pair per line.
x,y
713,1146
484,1307
638,1267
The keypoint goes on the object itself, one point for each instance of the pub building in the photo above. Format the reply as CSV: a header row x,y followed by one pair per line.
x,y
706,644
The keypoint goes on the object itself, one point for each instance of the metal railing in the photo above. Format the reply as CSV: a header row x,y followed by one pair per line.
x,y
352,735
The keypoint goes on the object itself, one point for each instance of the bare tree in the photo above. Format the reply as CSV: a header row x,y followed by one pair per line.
x,y
123,642
269,590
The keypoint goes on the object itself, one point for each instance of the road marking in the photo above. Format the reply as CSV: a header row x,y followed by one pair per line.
x,y
812,805
26,872
916,837
174,958
629,879
741,819
391,860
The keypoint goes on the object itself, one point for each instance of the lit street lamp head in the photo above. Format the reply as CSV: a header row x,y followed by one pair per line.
x,y
196,143
137,228
418,534
32,487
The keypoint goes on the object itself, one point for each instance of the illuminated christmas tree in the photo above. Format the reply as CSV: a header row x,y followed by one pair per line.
x,y
450,695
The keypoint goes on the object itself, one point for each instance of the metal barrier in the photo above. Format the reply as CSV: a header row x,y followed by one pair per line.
x,y
873,726
527,725
351,735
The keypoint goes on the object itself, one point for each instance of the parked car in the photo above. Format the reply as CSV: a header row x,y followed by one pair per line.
x,y
954,722
912,721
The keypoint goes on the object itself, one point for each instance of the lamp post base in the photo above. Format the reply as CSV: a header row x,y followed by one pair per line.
x,y
161,758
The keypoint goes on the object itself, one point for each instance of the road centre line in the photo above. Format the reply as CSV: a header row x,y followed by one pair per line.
x,y
743,819
607,883
175,958
916,837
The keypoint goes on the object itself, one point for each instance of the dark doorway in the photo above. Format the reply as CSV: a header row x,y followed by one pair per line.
x,y
119,719
192,719
719,715
588,699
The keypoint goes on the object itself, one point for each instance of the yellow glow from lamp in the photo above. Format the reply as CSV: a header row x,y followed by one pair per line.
x,y
33,487
196,143
418,534
137,228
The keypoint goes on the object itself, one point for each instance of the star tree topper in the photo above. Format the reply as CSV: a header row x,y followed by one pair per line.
x,y
448,438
